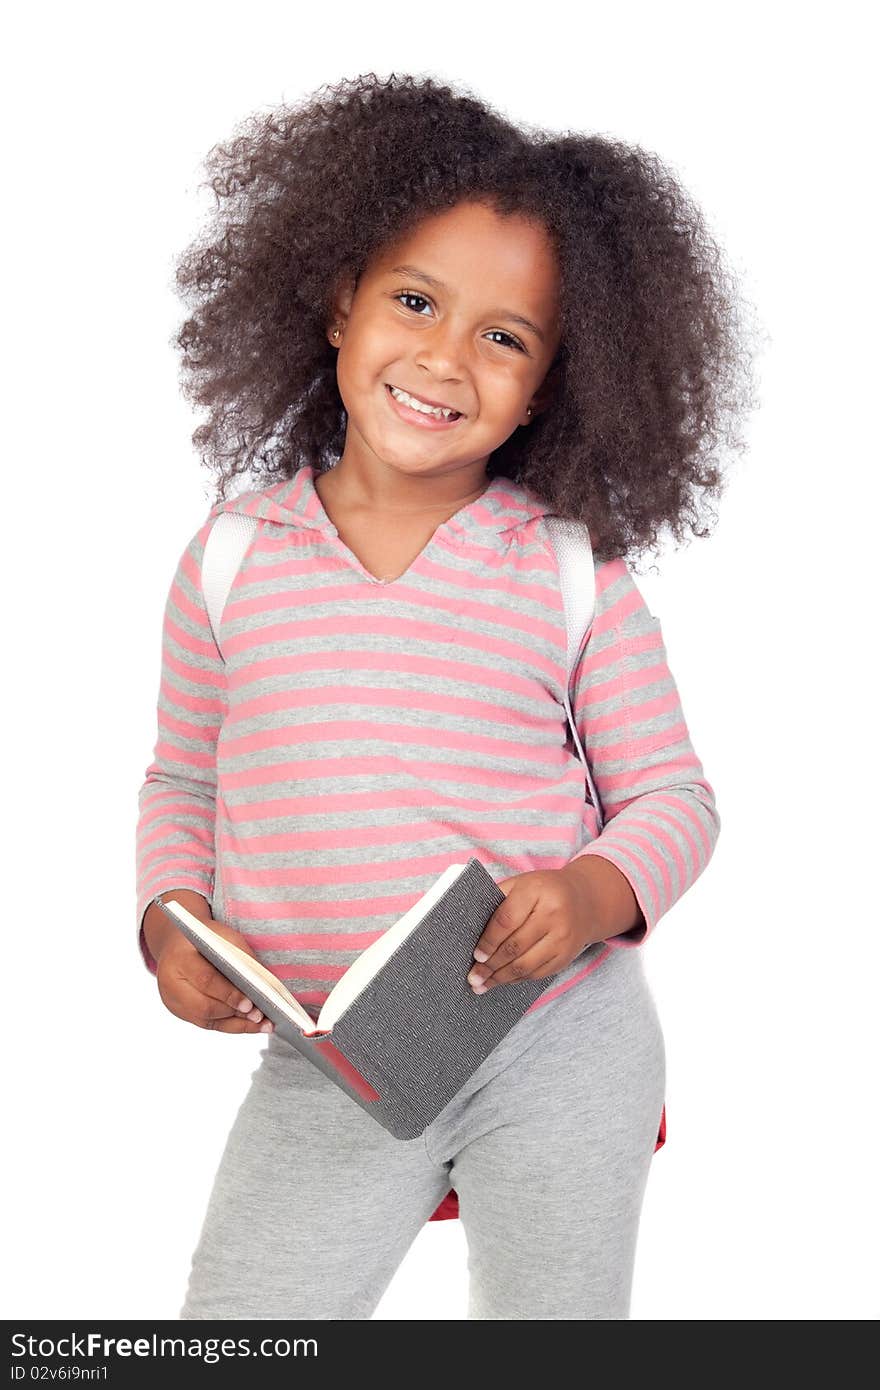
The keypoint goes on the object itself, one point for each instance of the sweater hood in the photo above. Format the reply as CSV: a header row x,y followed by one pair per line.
x,y
503,506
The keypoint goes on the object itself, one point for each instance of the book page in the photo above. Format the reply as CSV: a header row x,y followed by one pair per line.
x,y
370,962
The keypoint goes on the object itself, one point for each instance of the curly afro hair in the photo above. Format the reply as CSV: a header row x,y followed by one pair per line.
x,y
652,370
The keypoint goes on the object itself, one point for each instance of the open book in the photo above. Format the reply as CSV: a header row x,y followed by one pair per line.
x,y
402,1030
346,990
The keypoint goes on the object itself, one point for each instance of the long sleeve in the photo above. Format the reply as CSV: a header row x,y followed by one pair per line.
x,y
176,819
661,820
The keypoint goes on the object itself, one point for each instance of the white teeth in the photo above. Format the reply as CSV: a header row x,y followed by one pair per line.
x,y
415,404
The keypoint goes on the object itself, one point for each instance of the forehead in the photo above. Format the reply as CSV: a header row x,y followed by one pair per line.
x,y
506,259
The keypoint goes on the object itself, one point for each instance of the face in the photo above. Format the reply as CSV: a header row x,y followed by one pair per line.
x,y
462,312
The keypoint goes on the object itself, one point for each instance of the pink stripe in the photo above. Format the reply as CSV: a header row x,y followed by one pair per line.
x,y
196,704
179,857
370,802
521,590
684,821
182,727
170,878
311,941
326,838
342,770
166,808
633,712
173,753
304,971
381,697
632,746
195,675
374,731
299,663
405,633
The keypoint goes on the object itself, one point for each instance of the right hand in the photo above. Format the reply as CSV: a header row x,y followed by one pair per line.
x,y
193,989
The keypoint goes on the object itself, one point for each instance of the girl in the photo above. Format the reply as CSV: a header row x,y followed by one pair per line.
x,y
428,330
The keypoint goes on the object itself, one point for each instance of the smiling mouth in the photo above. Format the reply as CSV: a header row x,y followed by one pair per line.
x,y
432,413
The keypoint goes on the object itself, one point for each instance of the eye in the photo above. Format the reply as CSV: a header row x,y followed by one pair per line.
x,y
516,342
412,294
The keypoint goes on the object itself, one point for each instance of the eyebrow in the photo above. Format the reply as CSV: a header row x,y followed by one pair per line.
x,y
439,285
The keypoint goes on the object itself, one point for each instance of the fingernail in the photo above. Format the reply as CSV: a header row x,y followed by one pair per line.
x,y
479,989
255,1015
266,1026
245,1006
481,955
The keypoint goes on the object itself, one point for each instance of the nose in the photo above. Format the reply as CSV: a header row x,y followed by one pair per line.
x,y
443,352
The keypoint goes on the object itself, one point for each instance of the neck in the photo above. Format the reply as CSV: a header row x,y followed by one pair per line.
x,y
391,493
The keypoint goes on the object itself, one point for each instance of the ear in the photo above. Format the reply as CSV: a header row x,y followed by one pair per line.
x,y
341,308
548,390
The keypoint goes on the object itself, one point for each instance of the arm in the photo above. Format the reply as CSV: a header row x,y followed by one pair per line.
x,y
157,930
176,803
661,820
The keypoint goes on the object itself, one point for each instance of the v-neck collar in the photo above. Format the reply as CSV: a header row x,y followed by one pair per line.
x,y
314,508
503,506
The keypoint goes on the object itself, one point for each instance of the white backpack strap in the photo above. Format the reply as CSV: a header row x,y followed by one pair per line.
x,y
577,579
228,539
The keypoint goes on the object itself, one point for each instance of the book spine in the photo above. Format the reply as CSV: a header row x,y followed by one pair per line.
x,y
346,1069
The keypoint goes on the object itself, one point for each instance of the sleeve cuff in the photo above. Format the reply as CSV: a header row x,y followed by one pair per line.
x,y
195,886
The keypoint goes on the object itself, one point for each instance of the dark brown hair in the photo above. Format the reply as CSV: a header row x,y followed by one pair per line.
x,y
653,370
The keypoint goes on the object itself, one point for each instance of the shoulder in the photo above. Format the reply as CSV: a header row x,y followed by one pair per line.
x,y
620,604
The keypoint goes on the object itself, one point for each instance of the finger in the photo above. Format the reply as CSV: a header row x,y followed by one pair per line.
x,y
238,1024
533,963
197,1009
208,1013
508,951
187,997
206,978
508,918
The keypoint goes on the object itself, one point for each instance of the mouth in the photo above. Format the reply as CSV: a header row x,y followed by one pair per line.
x,y
429,417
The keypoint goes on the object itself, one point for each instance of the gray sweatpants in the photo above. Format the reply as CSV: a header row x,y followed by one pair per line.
x,y
548,1146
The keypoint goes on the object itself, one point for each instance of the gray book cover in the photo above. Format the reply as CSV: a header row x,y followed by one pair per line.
x,y
416,1032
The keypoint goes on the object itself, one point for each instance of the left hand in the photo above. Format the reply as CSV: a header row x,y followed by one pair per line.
x,y
543,923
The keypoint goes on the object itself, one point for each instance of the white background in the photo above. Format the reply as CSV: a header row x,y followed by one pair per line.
x,y
763,1203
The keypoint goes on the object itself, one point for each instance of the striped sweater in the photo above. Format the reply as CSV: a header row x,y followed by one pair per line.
x,y
352,737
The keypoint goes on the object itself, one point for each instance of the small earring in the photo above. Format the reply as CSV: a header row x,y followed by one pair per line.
x,y
336,333
528,410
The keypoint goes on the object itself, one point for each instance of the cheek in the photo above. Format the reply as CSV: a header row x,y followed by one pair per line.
x,y
355,372
505,393
372,355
